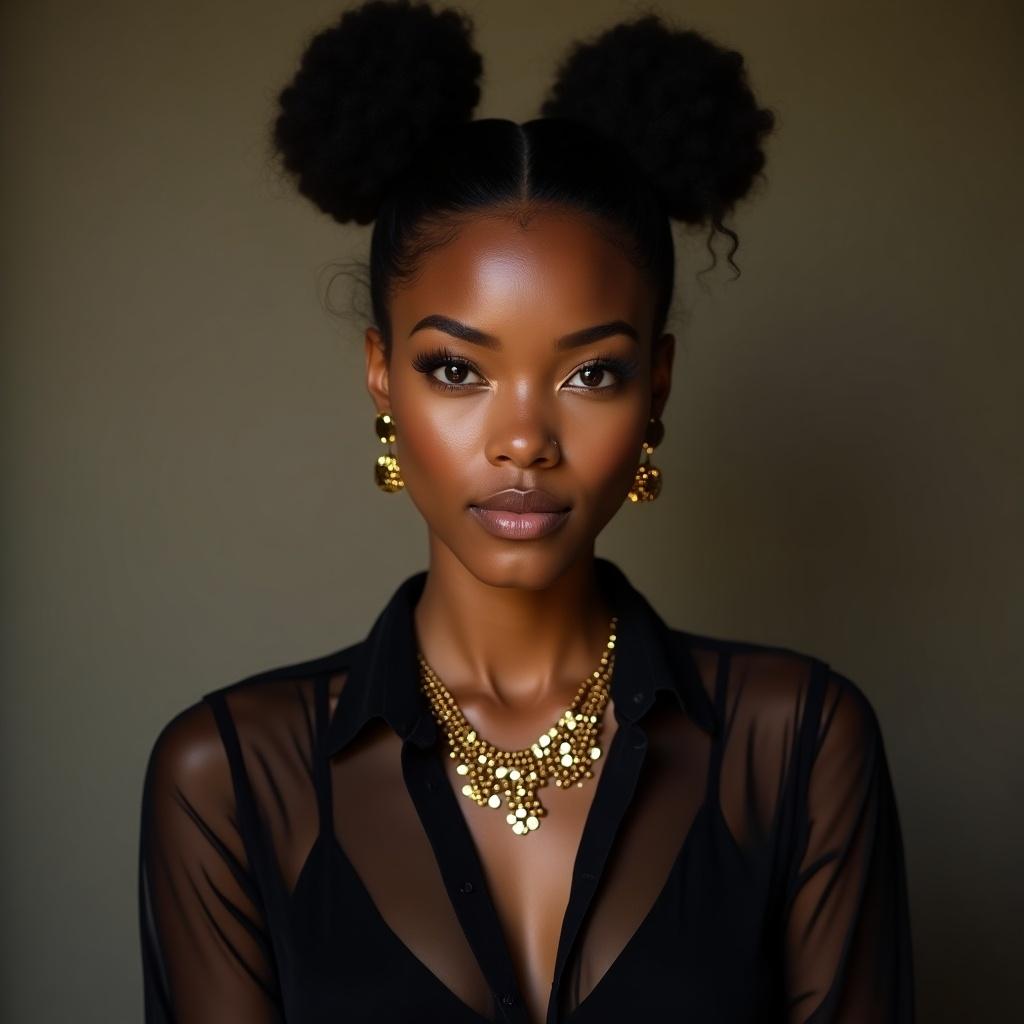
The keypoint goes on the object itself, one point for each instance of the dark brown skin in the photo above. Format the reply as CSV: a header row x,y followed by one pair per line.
x,y
514,626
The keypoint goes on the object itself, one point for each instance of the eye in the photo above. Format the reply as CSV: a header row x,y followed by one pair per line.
x,y
593,376
453,371
602,374
447,371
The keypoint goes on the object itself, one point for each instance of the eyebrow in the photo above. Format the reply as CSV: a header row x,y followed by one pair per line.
x,y
477,337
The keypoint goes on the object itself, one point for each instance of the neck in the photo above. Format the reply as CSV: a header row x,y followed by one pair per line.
x,y
515,647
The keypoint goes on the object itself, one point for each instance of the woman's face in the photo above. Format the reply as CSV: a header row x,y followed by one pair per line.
x,y
497,380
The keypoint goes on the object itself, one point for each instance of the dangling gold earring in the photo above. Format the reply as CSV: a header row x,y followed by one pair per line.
x,y
647,481
386,472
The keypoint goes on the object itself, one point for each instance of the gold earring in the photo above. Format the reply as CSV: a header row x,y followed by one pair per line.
x,y
386,472
647,480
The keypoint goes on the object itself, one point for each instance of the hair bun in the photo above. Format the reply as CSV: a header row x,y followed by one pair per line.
x,y
368,92
678,102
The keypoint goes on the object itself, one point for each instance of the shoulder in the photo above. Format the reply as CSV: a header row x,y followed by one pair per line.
x,y
196,749
779,690
187,753
269,699
188,762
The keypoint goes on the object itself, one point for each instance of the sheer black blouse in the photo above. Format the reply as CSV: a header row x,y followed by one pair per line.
x,y
741,861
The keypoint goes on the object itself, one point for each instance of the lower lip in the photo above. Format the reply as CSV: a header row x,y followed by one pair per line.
x,y
518,525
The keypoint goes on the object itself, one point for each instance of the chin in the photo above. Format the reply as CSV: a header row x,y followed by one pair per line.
x,y
525,565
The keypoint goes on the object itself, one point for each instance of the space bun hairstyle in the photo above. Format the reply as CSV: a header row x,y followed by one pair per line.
x,y
643,125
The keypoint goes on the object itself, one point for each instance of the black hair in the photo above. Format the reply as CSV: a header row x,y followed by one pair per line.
x,y
643,124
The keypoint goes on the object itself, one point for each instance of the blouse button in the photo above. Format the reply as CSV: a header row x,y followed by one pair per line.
x,y
638,698
508,999
466,887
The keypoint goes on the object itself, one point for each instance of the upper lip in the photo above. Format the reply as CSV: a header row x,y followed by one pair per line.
x,y
514,500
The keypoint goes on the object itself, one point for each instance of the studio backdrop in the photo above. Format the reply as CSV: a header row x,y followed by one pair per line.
x,y
188,442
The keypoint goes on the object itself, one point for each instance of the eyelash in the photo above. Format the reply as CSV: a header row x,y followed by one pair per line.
x,y
427,362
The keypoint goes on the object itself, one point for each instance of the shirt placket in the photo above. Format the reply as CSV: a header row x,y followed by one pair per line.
x,y
462,875
615,789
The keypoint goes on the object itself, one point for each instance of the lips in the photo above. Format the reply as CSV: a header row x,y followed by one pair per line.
x,y
514,500
520,515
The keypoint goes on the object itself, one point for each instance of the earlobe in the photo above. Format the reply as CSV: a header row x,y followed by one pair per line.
x,y
377,369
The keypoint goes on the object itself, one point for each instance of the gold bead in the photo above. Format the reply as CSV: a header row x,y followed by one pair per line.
x,y
385,427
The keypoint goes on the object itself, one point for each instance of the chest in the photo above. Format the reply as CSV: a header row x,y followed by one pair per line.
x,y
530,876
430,907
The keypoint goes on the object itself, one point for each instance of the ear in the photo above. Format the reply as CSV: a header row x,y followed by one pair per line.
x,y
377,370
661,372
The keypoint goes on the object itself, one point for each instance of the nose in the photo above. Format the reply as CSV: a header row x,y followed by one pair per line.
x,y
522,434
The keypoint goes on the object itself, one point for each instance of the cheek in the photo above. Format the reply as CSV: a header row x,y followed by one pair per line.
x,y
438,442
605,447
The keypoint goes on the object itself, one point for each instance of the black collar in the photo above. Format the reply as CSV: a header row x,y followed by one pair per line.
x,y
383,674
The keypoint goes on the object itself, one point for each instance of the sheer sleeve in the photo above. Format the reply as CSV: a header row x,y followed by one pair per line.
x,y
205,949
847,928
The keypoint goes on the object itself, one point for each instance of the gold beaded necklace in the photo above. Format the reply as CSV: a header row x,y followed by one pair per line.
x,y
564,753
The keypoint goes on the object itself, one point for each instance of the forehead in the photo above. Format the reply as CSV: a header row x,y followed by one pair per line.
x,y
554,269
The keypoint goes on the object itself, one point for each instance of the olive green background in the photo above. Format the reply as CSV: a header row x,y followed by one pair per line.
x,y
187,442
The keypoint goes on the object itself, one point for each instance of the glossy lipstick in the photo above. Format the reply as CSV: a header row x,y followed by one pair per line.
x,y
520,515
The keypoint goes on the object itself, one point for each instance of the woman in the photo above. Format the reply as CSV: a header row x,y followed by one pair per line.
x,y
523,797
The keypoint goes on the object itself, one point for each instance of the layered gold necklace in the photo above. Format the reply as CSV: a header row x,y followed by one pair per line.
x,y
564,753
